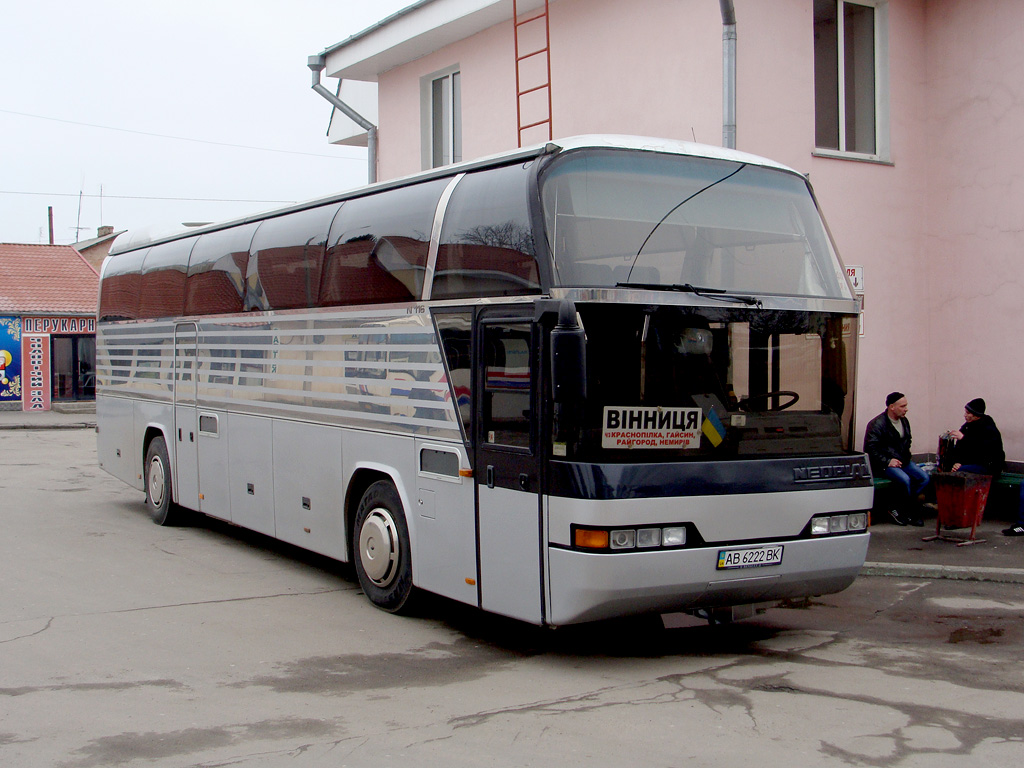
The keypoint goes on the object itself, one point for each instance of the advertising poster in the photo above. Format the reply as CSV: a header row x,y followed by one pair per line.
x,y
35,355
10,359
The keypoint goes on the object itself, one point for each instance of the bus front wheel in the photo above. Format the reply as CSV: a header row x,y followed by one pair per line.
x,y
383,559
159,497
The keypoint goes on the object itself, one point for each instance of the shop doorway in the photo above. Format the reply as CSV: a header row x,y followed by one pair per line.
x,y
73,361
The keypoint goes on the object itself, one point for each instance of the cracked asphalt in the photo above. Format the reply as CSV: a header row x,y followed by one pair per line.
x,y
126,644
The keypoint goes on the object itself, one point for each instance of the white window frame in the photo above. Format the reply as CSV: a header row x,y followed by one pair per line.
x,y
452,150
882,152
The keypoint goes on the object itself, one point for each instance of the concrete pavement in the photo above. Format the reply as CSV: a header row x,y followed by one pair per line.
x,y
894,551
83,417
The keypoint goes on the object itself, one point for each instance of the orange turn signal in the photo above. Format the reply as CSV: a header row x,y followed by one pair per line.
x,y
591,539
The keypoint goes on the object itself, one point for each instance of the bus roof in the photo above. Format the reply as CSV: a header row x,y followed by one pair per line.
x,y
147,236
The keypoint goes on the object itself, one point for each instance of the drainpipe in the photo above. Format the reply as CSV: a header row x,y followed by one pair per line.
x,y
317,64
728,74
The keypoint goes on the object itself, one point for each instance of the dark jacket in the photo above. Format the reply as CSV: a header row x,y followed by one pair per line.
x,y
981,444
882,443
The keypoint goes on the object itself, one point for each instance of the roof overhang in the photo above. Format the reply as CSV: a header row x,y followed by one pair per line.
x,y
416,31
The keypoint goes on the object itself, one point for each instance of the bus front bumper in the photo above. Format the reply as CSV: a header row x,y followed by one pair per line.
x,y
587,587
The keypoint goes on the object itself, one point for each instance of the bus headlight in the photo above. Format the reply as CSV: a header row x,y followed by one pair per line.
x,y
673,537
623,539
629,538
820,526
648,537
859,521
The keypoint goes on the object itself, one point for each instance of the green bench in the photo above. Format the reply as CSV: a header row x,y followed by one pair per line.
x,y
1009,480
881,486
1004,497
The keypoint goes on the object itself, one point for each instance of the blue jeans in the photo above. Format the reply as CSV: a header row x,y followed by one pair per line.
x,y
911,478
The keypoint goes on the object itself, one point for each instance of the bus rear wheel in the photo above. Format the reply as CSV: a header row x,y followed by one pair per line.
x,y
159,495
383,558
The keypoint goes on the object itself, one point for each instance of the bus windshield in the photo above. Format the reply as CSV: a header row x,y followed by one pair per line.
x,y
645,219
679,384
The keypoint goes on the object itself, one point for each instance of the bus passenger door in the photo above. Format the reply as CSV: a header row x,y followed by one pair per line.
x,y
509,522
185,437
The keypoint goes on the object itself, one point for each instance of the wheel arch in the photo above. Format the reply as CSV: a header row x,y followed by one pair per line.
x,y
152,432
363,477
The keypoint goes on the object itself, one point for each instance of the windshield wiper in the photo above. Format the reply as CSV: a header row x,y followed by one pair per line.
x,y
709,293
679,205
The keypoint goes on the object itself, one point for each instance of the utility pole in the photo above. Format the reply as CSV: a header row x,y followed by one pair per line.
x,y
49,215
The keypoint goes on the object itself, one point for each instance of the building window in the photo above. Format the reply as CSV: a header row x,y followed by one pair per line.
x,y
850,78
442,118
73,367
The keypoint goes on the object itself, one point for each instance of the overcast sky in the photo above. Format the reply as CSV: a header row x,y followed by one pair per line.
x,y
168,107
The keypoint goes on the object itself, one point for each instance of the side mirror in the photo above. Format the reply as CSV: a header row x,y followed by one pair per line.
x,y
568,357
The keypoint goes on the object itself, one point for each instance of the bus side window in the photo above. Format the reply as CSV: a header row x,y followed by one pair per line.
x,y
162,288
286,258
352,276
487,246
216,271
456,335
119,291
506,397
377,248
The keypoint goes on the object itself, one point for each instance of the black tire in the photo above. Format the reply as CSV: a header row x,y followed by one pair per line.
x,y
380,548
157,477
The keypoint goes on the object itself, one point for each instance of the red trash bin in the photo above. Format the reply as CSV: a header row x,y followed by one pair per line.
x,y
961,498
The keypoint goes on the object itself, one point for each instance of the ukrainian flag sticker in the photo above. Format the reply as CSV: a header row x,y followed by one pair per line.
x,y
713,428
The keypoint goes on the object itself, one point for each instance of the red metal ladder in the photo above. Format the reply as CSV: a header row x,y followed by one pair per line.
x,y
538,15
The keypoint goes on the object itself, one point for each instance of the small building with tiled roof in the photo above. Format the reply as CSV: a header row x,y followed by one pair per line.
x,y
95,249
48,299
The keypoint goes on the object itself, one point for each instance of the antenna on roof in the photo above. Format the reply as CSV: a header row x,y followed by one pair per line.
x,y
78,222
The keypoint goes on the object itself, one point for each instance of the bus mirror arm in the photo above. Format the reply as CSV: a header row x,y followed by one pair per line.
x,y
568,356
568,370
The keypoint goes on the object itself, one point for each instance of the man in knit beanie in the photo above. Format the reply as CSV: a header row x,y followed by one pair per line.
x,y
979,446
887,442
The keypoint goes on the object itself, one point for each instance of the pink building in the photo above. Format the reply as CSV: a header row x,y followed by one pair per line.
x,y
913,145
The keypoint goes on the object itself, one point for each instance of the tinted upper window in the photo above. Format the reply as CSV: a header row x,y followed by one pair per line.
x,y
119,290
487,246
378,246
216,271
162,288
286,259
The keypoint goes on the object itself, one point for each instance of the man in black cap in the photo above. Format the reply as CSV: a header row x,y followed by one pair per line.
x,y
979,449
979,446
887,442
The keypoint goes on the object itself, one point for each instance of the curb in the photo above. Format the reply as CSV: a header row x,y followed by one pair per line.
x,y
77,425
956,572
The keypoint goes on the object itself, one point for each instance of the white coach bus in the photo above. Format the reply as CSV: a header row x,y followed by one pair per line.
x,y
601,377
